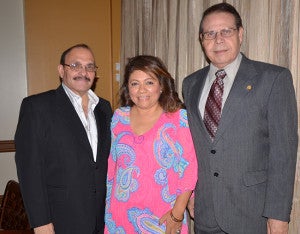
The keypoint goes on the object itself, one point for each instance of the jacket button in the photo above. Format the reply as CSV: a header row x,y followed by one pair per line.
x,y
213,151
216,174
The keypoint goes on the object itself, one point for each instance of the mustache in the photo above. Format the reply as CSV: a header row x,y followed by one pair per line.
x,y
82,78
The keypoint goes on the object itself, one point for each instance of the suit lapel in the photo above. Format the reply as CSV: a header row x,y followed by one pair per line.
x,y
241,87
71,119
195,99
101,120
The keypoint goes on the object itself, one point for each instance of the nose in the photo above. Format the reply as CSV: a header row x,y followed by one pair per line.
x,y
142,88
83,71
219,38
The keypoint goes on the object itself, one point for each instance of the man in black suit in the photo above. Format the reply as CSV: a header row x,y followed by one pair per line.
x,y
62,145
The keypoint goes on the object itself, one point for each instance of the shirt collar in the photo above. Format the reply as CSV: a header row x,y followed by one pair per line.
x,y
76,99
231,69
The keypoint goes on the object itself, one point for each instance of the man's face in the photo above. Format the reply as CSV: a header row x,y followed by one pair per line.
x,y
80,80
222,50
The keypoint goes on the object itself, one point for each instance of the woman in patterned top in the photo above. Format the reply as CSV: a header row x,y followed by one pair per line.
x,y
152,168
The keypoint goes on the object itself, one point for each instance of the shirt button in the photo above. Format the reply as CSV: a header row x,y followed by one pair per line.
x,y
213,151
216,174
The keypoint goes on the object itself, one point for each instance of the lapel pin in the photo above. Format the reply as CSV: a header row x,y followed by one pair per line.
x,y
249,87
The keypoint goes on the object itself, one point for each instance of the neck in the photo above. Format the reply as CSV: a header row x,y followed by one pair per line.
x,y
85,103
142,120
147,112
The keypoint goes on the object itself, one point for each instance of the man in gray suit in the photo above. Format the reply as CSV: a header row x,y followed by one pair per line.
x,y
244,128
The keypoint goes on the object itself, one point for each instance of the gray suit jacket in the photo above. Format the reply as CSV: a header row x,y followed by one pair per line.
x,y
247,173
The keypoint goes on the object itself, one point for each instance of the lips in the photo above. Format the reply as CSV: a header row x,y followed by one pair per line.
x,y
220,51
143,97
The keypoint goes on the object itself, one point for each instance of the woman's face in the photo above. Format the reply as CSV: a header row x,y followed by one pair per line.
x,y
144,89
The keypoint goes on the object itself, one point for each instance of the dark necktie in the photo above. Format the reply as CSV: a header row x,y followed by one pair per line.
x,y
213,106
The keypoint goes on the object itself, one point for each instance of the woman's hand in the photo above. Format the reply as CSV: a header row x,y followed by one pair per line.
x,y
172,227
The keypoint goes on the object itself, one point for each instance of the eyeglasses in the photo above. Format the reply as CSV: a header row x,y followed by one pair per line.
x,y
79,67
211,35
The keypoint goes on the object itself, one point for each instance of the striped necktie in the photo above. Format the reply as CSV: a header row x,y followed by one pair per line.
x,y
213,106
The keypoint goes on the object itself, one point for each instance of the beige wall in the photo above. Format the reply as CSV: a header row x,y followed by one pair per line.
x,y
53,26
13,85
50,27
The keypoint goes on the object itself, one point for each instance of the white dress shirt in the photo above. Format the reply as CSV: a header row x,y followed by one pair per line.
x,y
89,121
231,70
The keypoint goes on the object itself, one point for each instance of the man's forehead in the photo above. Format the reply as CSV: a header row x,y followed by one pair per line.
x,y
218,18
80,53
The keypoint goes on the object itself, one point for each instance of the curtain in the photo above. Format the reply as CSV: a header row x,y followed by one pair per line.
x,y
169,29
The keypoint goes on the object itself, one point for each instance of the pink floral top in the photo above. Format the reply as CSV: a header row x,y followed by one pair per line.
x,y
147,172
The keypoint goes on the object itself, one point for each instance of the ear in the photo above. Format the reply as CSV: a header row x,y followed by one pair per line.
x,y
241,33
61,70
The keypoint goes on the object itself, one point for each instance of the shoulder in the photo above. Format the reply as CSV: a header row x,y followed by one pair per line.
x,y
263,67
40,96
195,79
266,75
121,115
37,107
121,111
183,119
195,75
40,99
103,101
104,105
179,118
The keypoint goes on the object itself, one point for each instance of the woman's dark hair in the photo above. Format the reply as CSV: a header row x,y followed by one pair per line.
x,y
222,7
153,66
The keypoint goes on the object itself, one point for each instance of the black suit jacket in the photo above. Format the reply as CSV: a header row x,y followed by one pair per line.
x,y
60,182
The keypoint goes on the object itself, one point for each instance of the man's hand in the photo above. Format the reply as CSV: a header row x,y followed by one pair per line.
x,y
190,206
45,229
277,227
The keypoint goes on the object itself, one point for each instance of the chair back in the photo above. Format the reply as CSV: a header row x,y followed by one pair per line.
x,y
12,213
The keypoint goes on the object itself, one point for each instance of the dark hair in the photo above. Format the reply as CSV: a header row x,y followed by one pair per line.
x,y
64,54
222,7
153,66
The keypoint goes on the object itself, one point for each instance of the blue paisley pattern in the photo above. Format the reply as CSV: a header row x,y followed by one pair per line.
x,y
168,154
109,222
183,119
126,184
120,116
145,222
